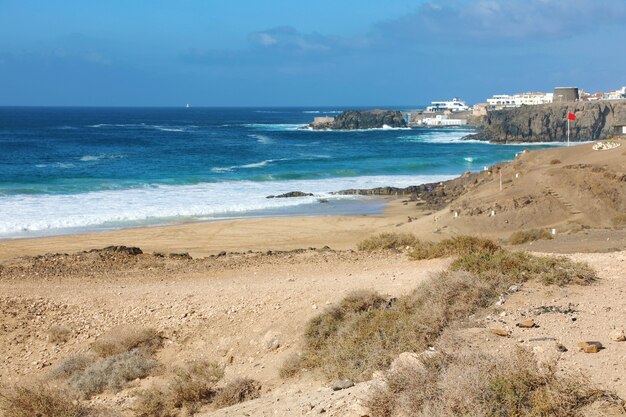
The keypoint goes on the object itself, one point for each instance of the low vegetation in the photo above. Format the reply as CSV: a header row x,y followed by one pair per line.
x,y
112,373
291,366
455,246
478,384
555,161
59,334
525,236
40,400
237,391
126,338
503,268
387,241
366,331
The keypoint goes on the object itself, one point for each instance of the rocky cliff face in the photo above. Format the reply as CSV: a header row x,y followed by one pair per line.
x,y
548,123
364,119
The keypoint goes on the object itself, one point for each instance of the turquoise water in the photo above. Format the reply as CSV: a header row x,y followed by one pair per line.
x,y
79,169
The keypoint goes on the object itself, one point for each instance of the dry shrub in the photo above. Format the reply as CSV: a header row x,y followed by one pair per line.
x,y
237,391
154,402
40,400
72,365
619,220
506,268
387,241
112,373
59,334
291,366
126,338
555,161
525,236
478,384
345,343
193,384
455,246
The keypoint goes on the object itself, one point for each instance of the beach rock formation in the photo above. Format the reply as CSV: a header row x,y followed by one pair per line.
x,y
595,120
361,119
291,194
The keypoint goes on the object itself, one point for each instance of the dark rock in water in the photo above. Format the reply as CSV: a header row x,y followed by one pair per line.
x,y
123,249
595,120
362,119
291,194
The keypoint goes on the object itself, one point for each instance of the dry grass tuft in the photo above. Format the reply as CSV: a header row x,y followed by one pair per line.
x,y
506,268
154,402
59,334
455,246
525,236
126,338
194,383
353,343
555,161
40,400
472,384
291,366
72,365
112,373
387,241
237,391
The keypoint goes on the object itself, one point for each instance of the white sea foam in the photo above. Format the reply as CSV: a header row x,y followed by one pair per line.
x,y
275,126
262,139
63,165
247,166
469,159
93,158
35,215
312,111
162,128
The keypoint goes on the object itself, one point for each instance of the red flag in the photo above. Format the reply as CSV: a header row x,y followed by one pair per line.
x,y
571,116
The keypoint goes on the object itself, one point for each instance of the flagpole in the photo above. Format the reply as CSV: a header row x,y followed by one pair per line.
x,y
568,130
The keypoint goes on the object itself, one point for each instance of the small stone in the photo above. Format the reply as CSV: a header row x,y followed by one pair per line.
x,y
590,347
561,348
527,324
342,384
617,336
501,332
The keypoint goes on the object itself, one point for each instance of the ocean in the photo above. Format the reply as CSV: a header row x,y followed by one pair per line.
x,y
74,170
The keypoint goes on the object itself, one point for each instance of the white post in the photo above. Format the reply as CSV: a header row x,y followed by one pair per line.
x,y
568,130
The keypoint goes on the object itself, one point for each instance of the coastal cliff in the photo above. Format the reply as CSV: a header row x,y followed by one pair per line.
x,y
361,119
548,122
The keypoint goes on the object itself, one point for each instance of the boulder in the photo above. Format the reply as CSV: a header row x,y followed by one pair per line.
x,y
617,336
291,194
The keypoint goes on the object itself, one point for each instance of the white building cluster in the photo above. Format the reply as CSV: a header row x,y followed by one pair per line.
x,y
516,100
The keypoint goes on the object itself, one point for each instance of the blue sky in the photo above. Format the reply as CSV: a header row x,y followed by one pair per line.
x,y
289,53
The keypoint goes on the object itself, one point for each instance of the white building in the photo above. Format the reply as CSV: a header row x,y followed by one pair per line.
x,y
517,100
441,121
617,94
454,105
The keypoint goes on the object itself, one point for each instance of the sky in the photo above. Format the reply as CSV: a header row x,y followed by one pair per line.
x,y
302,52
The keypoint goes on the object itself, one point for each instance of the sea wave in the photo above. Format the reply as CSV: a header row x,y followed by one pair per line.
x,y
162,128
274,126
248,166
262,139
36,215
93,158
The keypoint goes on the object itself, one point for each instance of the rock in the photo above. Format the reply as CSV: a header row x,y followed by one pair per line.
x,y
363,119
513,289
594,120
183,255
291,194
527,324
271,341
411,360
617,336
500,332
561,348
590,347
123,249
342,384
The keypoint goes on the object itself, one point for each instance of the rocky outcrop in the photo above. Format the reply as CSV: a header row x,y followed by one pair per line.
x,y
362,119
595,120
291,194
